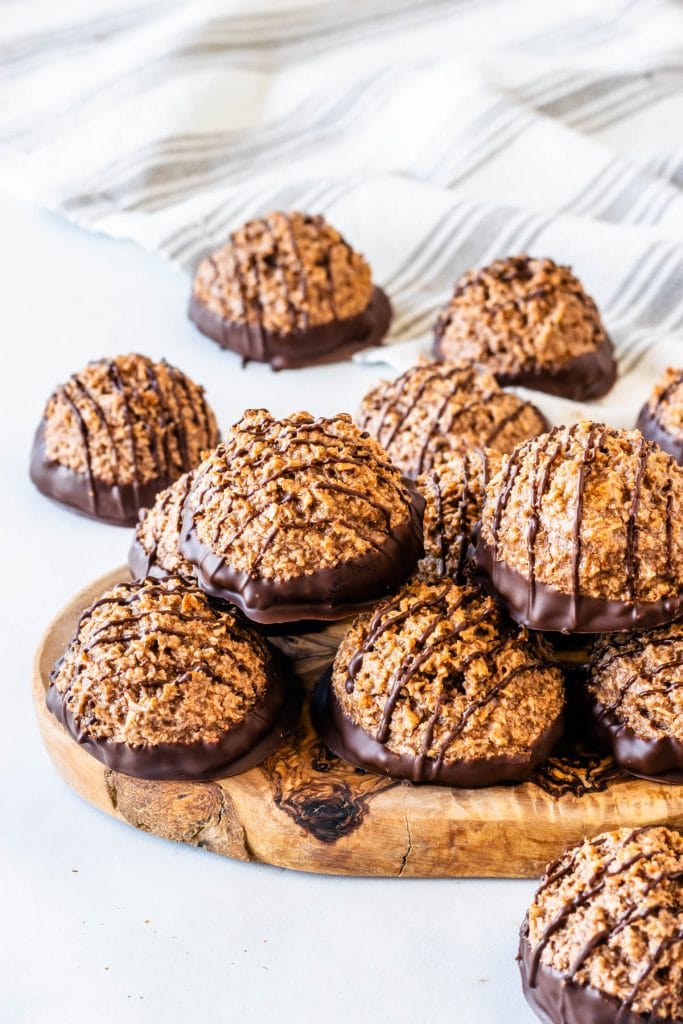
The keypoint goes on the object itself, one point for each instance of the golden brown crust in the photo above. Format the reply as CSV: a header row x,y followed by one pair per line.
x,y
470,685
153,662
610,915
282,498
128,420
288,271
606,505
436,410
519,314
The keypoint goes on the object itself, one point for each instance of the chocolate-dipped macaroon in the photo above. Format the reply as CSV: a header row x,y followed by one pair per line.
x,y
603,940
154,549
288,290
529,322
582,532
300,518
436,410
661,418
635,696
118,432
454,497
436,686
161,684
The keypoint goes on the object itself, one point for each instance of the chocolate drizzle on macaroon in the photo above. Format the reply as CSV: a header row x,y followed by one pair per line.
x,y
118,432
300,518
454,497
161,684
581,532
287,289
603,939
436,410
530,323
435,686
661,418
635,700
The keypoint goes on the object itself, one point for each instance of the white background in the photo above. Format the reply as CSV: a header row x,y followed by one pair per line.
x,y
100,922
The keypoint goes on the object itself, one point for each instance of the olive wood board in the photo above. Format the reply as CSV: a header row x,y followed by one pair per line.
x,y
304,808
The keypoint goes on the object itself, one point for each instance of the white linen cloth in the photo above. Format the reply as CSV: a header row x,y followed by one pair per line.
x,y
437,134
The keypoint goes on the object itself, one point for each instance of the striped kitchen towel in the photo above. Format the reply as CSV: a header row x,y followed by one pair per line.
x,y
437,134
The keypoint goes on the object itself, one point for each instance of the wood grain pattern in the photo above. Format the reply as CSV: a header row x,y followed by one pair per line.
x,y
305,809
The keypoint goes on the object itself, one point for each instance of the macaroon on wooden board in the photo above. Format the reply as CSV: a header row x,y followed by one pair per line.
x,y
304,808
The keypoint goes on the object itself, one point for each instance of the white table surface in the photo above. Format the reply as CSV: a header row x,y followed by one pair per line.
x,y
101,922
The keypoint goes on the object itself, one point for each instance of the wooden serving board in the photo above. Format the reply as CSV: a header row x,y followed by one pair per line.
x,y
303,808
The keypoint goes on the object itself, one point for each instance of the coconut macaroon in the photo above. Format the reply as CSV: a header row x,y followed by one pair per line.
x,y
603,938
436,410
161,684
661,418
454,497
436,686
635,688
154,549
529,322
118,432
300,518
289,290
582,531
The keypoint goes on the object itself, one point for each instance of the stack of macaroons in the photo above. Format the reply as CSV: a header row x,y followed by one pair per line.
x,y
450,505
161,683
456,527
117,433
287,289
289,520
582,533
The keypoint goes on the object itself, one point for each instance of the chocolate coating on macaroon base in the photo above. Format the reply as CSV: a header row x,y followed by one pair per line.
x,y
300,518
117,433
313,346
634,695
584,378
114,503
582,532
287,289
544,608
603,940
661,418
658,760
530,323
262,731
436,687
555,1000
160,684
